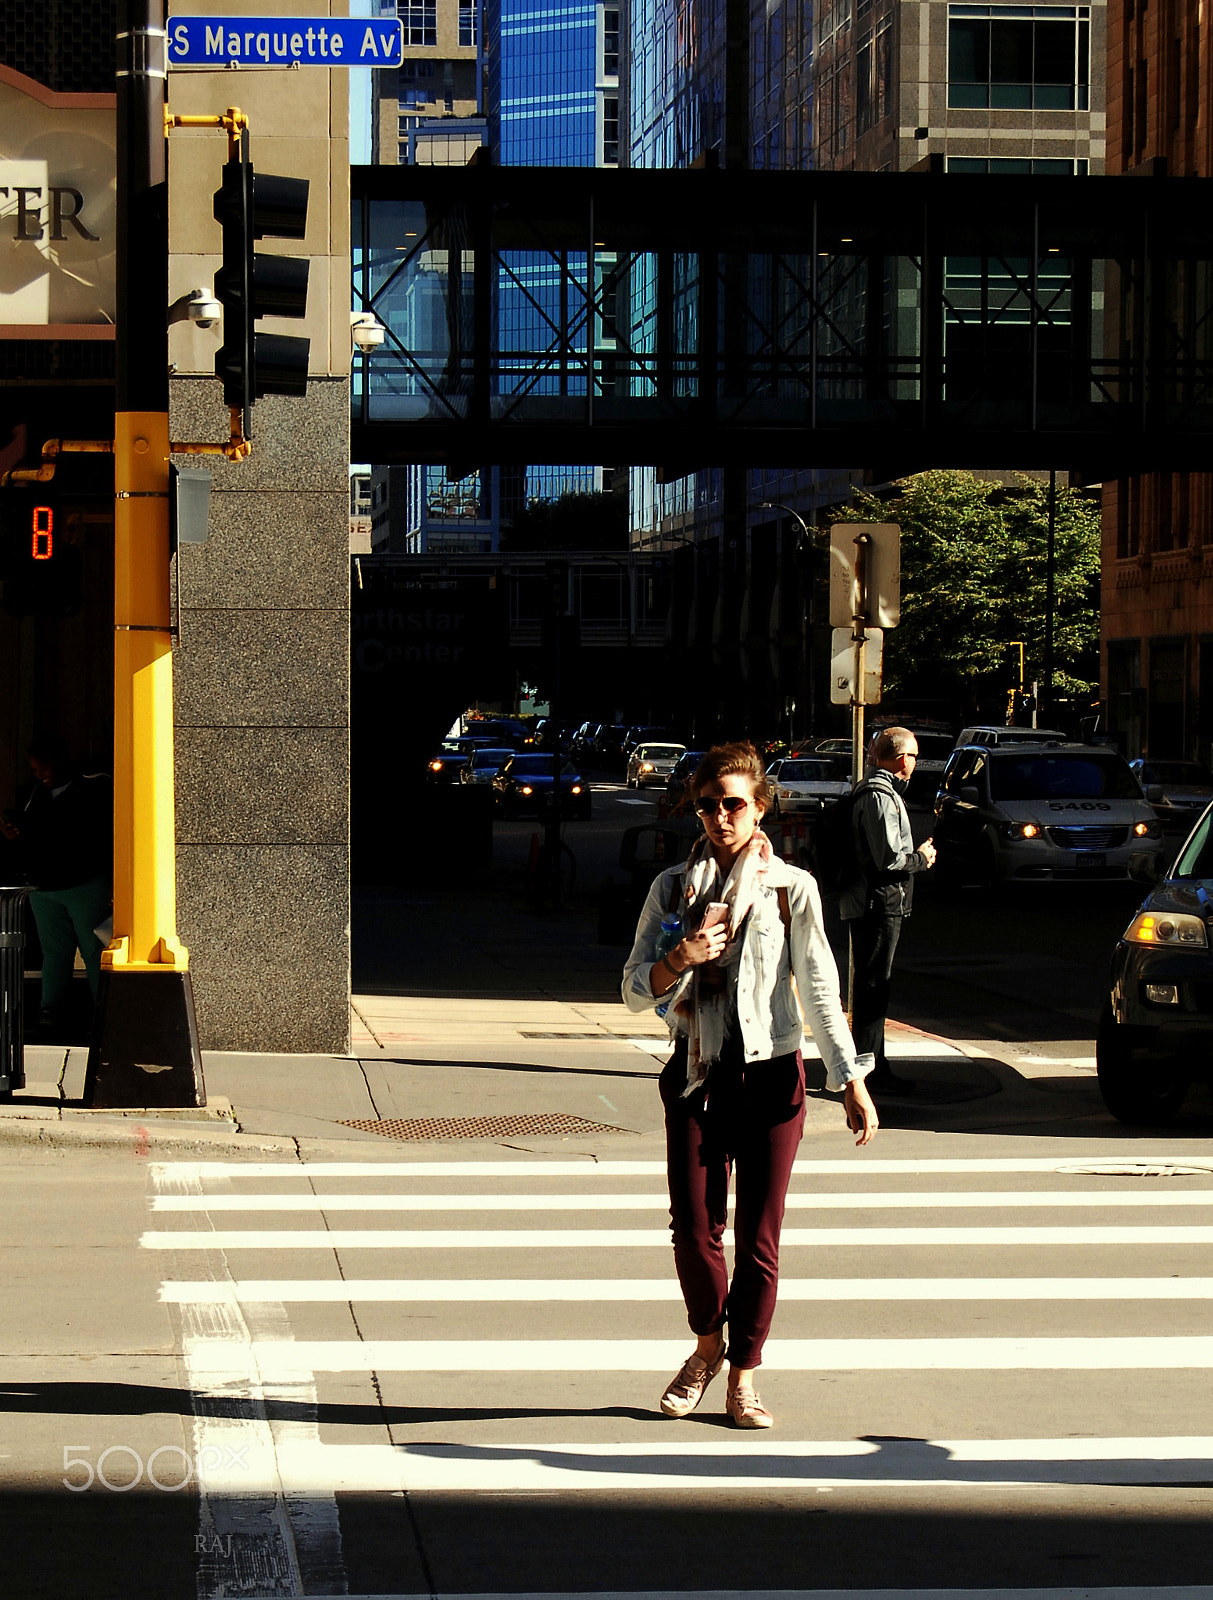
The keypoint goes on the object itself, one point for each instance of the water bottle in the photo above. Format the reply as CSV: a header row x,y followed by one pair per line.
x,y
670,935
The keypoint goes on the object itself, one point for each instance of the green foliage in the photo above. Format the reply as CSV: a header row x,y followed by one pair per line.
x,y
973,577
572,522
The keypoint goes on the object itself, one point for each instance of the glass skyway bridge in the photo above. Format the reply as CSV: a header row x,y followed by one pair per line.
x,y
694,318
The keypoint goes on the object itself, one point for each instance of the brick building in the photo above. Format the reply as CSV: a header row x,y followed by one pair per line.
x,y
1158,528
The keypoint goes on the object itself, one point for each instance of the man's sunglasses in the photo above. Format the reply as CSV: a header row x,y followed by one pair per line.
x,y
732,803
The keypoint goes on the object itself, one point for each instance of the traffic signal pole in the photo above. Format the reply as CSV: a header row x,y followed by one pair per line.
x,y
144,1050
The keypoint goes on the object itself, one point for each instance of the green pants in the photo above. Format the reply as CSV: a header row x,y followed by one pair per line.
x,y
66,919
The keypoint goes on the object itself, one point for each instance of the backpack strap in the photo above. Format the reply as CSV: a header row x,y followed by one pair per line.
x,y
675,896
785,910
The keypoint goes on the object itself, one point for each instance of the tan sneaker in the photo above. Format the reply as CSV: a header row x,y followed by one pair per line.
x,y
686,1390
746,1409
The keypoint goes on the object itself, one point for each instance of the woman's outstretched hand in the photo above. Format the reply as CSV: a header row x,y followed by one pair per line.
x,y
861,1112
705,945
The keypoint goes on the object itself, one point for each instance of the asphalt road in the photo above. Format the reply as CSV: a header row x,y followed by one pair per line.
x,y
989,1370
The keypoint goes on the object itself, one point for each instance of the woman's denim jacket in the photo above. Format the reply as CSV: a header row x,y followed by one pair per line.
x,y
770,959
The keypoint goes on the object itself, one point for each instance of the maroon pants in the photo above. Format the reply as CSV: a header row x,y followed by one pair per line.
x,y
750,1117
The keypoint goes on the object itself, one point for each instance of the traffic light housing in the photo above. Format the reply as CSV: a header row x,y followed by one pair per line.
x,y
249,206
42,569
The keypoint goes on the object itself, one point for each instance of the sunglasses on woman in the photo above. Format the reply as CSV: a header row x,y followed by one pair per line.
x,y
732,803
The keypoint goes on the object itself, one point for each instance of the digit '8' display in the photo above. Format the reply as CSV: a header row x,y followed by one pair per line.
x,y
41,568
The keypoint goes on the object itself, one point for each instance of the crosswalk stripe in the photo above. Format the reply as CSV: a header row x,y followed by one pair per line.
x,y
822,1290
274,1359
588,1167
921,1200
645,1238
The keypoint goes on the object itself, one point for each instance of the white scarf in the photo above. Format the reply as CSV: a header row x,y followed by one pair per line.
x,y
703,1009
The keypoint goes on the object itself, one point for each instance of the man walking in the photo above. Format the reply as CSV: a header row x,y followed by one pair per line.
x,y
876,903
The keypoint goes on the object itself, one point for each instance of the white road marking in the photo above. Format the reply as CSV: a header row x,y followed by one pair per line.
x,y
914,1200
859,1164
269,1536
277,1360
646,1238
542,1290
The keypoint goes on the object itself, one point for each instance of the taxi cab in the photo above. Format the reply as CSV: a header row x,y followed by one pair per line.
x,y
1050,812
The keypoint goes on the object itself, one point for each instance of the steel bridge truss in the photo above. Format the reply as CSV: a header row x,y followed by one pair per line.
x,y
693,318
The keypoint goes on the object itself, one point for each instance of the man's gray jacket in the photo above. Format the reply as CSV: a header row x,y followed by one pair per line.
x,y
884,848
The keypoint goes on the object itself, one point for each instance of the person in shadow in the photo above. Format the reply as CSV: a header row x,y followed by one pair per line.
x,y
64,840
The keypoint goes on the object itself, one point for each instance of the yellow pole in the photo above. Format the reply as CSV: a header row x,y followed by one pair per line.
x,y
145,884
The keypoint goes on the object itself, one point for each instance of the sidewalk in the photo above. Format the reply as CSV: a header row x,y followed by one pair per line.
x,y
510,1036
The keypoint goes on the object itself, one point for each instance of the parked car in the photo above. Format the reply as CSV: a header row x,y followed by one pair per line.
x,y
549,731
989,734
804,788
450,758
1178,790
1156,1032
678,784
825,747
482,766
525,785
608,745
1053,813
500,731
581,745
652,763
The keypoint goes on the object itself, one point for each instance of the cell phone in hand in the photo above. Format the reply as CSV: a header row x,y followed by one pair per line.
x,y
717,911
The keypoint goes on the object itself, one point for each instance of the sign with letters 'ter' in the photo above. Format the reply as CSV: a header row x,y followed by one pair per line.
x,y
285,41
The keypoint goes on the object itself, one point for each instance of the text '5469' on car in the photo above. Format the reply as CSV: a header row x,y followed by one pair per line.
x,y
1156,1032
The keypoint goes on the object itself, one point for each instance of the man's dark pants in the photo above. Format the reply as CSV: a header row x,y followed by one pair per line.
x,y
874,939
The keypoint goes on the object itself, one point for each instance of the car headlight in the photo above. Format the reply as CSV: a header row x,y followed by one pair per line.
x,y
1174,929
1147,830
435,766
1021,830
647,766
525,789
576,789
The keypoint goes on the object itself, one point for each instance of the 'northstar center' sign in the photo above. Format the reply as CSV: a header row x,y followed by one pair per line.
x,y
285,42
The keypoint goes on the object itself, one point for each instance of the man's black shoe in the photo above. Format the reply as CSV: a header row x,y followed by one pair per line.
x,y
889,1082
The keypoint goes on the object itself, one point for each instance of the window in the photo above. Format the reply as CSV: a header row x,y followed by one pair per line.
x,y
1038,166
420,18
411,71
610,42
468,33
1019,58
610,130
874,75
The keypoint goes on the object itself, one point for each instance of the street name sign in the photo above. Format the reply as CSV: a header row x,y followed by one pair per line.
x,y
285,42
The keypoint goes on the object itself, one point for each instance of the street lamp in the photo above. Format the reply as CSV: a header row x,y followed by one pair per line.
x,y
805,546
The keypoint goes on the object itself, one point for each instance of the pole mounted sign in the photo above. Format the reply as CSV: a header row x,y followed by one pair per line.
x,y
285,42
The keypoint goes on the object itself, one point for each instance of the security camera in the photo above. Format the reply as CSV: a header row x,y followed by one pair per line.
x,y
366,330
199,307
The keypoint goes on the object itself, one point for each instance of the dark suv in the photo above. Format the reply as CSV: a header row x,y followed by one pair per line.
x,y
1156,1032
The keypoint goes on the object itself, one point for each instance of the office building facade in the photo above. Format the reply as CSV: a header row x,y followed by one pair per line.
x,y
1157,559
427,109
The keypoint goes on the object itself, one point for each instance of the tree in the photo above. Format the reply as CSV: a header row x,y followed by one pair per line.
x,y
973,578
572,522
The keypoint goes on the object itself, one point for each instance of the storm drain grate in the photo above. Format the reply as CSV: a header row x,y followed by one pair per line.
x,y
477,1127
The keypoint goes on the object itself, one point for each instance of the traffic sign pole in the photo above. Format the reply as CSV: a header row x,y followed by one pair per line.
x,y
144,1050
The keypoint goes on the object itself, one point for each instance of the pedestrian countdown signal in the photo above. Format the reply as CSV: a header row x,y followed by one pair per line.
x,y
40,567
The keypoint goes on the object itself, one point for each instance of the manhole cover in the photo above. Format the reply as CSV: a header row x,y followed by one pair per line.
x,y
1135,1169
558,1122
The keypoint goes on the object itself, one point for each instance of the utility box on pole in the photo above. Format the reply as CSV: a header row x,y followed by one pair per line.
x,y
865,557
